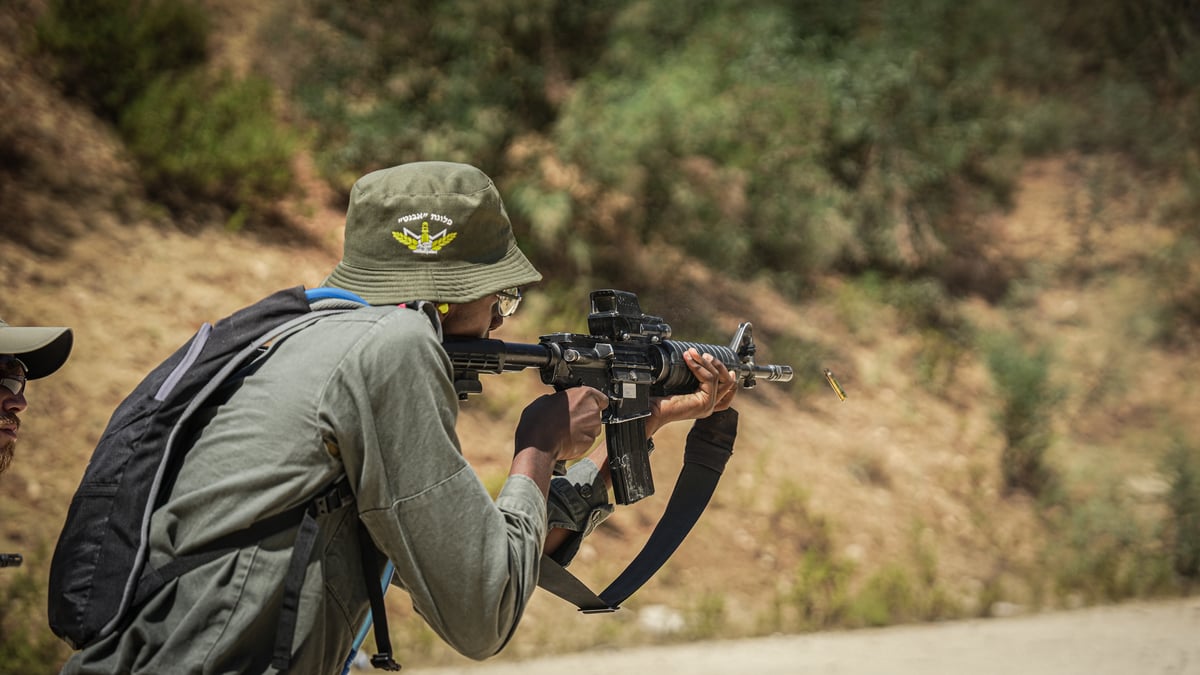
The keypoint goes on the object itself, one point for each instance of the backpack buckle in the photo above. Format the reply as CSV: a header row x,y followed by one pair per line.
x,y
338,496
384,661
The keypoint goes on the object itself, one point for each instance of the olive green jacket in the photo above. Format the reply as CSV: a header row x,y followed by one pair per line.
x,y
367,393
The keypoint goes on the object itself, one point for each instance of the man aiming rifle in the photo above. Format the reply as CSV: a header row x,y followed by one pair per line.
x,y
359,409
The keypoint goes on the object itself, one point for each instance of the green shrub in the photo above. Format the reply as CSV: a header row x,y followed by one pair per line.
x,y
1027,404
455,80
900,592
200,137
1182,468
108,51
946,336
888,597
816,596
819,593
1103,551
26,643
779,149
706,618
1176,271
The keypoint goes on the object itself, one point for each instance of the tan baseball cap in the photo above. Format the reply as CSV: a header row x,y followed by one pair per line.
x,y
43,350
428,231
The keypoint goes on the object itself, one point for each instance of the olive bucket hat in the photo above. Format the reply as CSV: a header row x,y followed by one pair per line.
x,y
428,231
43,350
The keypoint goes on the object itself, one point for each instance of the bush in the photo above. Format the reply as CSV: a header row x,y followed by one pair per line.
x,y
1182,468
819,594
455,80
1103,551
210,138
1028,400
198,138
26,645
108,51
788,150
888,597
1176,271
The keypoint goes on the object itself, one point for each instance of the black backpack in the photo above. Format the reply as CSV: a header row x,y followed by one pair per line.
x,y
99,571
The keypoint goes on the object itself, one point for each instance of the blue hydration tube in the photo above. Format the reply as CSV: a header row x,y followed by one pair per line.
x,y
328,292
385,581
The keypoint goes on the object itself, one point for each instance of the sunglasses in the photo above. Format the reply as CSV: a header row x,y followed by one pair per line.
x,y
507,301
13,374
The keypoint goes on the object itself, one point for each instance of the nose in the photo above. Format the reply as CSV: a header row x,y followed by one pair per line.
x,y
12,403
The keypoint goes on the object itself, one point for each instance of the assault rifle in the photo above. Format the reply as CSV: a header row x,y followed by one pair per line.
x,y
630,357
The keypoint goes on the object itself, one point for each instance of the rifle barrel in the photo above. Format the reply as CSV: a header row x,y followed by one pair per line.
x,y
771,372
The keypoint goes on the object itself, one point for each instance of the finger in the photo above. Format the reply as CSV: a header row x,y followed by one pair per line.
x,y
702,365
586,398
707,376
599,397
729,379
723,374
726,388
726,398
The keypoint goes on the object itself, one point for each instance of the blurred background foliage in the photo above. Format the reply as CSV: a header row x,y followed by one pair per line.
x,y
200,139
771,138
777,141
785,139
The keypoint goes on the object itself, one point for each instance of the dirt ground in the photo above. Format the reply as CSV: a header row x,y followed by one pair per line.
x,y
1129,639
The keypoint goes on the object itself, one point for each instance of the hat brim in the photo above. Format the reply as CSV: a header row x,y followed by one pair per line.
x,y
443,281
43,350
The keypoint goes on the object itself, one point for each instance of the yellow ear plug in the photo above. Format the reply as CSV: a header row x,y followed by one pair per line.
x,y
444,308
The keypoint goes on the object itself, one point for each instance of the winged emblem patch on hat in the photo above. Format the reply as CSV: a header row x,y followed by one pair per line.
x,y
424,243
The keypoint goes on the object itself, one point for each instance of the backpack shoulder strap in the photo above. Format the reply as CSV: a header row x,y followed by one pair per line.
x,y
230,366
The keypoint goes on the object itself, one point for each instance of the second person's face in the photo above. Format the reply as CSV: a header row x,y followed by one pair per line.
x,y
473,319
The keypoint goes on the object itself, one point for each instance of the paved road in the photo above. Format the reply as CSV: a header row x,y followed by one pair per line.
x,y
1132,639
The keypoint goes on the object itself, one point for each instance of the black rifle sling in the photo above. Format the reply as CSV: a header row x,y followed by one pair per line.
x,y
709,446
691,495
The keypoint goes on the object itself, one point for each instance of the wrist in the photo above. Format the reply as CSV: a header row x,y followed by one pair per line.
x,y
532,440
536,464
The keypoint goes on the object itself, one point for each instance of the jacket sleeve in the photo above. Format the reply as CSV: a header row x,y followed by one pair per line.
x,y
469,563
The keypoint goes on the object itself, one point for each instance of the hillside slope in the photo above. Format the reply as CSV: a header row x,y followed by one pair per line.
x,y
895,491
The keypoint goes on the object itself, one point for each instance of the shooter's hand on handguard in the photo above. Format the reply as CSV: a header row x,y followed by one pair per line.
x,y
716,391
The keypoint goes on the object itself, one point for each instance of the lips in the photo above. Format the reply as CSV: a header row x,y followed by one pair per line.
x,y
9,425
